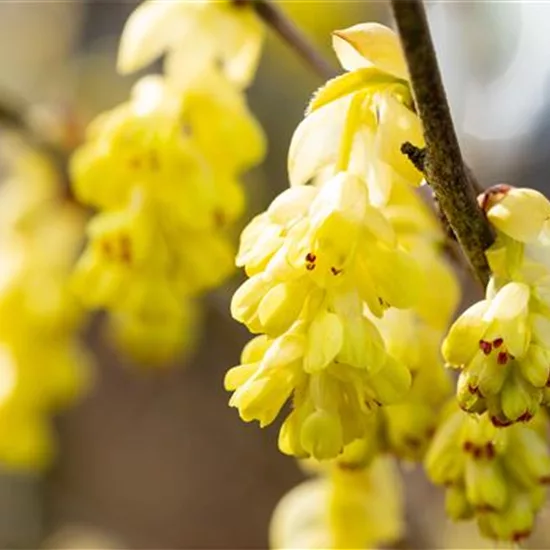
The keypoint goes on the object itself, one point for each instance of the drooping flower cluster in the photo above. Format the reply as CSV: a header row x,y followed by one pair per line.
x,y
493,474
495,460
341,508
502,344
333,258
163,170
42,365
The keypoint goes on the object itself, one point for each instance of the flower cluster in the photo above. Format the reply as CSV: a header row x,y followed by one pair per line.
x,y
341,508
163,170
502,343
495,475
494,460
335,261
43,367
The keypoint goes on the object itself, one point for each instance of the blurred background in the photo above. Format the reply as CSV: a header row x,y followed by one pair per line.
x,y
156,459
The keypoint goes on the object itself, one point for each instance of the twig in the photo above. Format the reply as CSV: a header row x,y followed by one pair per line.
x,y
443,164
275,18
13,116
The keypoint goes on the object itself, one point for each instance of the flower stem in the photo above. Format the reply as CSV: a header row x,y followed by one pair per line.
x,y
443,165
275,18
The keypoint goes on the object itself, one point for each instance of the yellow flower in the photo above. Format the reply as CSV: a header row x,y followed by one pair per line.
x,y
495,475
38,241
522,214
171,144
341,509
154,337
163,169
502,350
195,36
332,400
366,110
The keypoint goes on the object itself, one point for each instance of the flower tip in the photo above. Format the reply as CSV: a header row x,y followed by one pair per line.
x,y
492,196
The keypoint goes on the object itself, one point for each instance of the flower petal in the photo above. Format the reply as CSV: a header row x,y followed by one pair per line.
x,y
370,44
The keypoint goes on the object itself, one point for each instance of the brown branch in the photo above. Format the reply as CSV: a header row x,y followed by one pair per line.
x,y
14,117
275,18
443,165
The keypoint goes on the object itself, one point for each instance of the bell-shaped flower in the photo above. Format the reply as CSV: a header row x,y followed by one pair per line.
x,y
195,36
495,475
361,119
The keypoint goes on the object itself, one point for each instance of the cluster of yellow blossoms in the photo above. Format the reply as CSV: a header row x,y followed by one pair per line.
x,y
496,462
341,508
163,170
42,365
341,269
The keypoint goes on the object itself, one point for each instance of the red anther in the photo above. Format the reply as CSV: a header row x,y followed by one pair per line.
x,y
502,358
135,163
413,442
518,536
467,446
525,417
310,267
483,508
477,452
472,389
125,249
497,342
490,451
499,423
486,347
544,480
310,257
335,271
107,248
349,466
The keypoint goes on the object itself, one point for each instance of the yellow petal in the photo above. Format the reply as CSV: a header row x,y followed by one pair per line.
x,y
391,383
281,306
237,376
324,341
462,342
322,436
291,204
397,125
510,301
370,44
316,141
151,28
349,83
254,350
521,214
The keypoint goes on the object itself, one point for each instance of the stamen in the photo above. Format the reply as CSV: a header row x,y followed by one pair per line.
x,y
502,358
525,417
486,347
490,451
499,423
497,342
125,249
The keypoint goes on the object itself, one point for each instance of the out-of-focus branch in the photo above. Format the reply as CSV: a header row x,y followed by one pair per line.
x,y
443,165
275,18
14,117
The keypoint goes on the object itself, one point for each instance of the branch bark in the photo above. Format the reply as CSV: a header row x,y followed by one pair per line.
x,y
275,18
443,164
